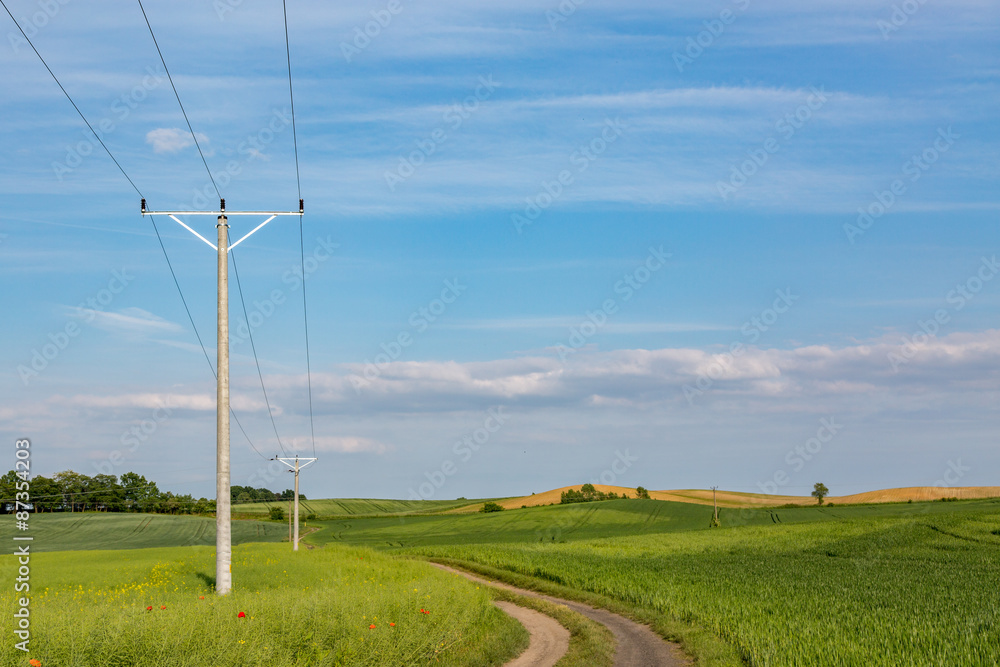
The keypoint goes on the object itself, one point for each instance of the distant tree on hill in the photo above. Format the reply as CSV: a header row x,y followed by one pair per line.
x,y
276,513
641,492
491,507
820,492
586,494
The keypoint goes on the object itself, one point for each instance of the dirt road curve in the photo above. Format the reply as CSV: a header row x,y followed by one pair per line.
x,y
549,640
638,646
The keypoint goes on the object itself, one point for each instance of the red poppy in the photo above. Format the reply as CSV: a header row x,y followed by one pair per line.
x,y
424,611
163,606
35,663
149,608
371,627
241,615
392,625
202,597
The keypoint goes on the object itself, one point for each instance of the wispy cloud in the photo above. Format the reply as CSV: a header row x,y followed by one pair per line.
x,y
338,444
172,139
129,321
791,380
548,323
202,402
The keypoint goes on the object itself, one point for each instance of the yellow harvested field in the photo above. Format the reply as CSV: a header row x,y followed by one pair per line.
x,y
738,499
916,493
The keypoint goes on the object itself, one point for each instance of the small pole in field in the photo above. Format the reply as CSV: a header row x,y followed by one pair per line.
x,y
715,505
296,465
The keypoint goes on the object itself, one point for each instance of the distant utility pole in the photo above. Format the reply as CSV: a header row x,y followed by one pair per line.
x,y
296,465
715,504
223,505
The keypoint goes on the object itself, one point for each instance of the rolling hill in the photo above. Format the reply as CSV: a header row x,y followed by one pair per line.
x,y
738,499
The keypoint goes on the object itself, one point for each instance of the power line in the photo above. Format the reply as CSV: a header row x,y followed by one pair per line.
x,y
56,79
134,187
169,78
291,98
253,347
302,248
305,318
233,254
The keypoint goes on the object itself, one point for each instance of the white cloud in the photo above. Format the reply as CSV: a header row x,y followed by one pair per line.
x,y
135,321
172,139
151,401
951,368
542,323
338,444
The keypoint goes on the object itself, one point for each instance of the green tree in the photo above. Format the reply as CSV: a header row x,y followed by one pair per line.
x,y
820,492
491,507
139,494
641,492
44,494
106,494
73,486
276,513
8,487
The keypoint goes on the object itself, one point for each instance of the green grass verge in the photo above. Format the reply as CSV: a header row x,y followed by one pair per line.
x,y
590,643
313,607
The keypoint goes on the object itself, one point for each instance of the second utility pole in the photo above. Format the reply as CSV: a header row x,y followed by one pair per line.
x,y
294,466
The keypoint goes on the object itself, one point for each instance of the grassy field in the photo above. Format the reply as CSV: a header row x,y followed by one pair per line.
x,y
92,530
612,518
349,507
887,584
917,588
310,608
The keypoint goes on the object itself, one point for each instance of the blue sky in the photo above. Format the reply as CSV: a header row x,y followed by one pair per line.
x,y
576,233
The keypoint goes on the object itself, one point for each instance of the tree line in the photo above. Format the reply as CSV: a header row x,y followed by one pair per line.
x,y
70,491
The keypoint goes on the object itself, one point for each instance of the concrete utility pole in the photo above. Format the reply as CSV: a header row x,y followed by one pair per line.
x,y
223,500
295,466
223,505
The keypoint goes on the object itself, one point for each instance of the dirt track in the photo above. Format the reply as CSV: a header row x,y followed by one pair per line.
x,y
637,645
549,640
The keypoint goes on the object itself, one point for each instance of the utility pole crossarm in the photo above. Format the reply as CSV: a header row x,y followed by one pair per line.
x,y
271,215
222,211
290,462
